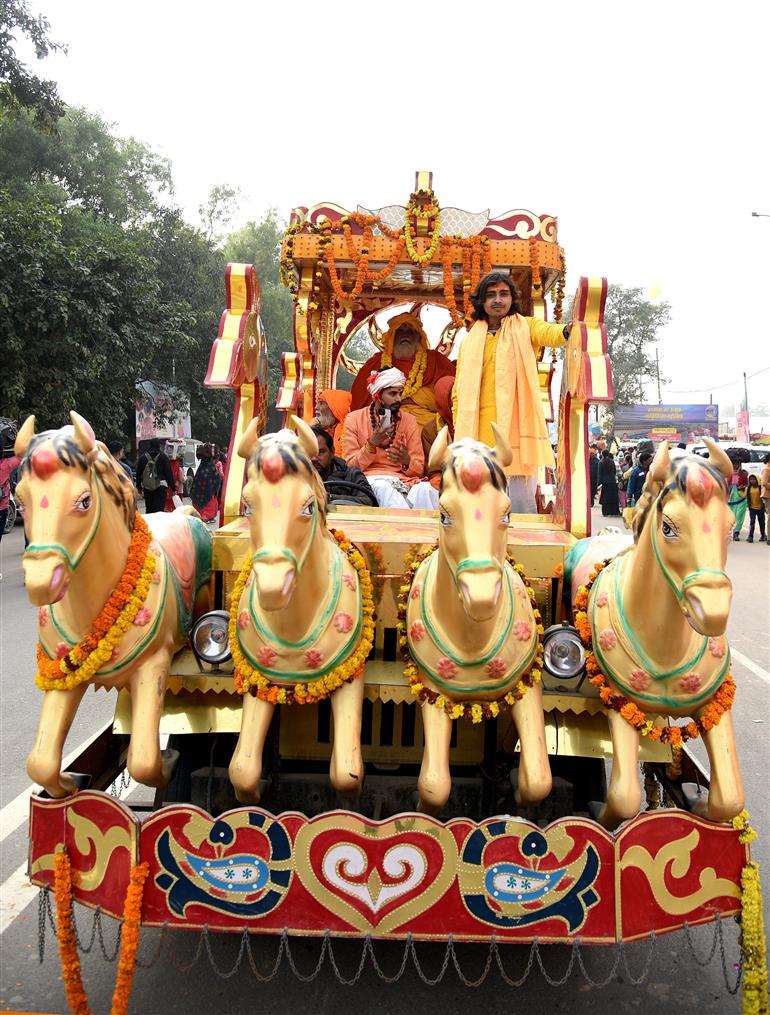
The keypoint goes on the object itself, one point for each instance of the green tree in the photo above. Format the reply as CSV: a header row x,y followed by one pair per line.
x,y
81,314
259,243
113,178
20,89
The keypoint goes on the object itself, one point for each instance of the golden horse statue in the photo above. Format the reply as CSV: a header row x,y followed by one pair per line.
x,y
116,594
655,617
301,622
470,625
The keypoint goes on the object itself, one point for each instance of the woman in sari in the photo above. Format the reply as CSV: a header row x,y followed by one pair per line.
x,y
736,500
206,484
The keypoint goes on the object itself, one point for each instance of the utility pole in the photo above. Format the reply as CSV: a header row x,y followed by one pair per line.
x,y
657,372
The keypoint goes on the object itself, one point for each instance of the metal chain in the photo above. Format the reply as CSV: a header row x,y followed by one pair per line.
x,y
551,981
462,977
302,977
267,977
45,918
507,980
381,973
418,968
97,931
365,950
117,788
701,962
734,989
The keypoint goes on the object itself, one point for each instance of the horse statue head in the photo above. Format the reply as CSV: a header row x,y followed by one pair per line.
x,y
473,517
287,501
684,516
67,478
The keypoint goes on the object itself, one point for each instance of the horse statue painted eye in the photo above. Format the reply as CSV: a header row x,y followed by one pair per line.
x,y
308,508
445,520
83,503
668,530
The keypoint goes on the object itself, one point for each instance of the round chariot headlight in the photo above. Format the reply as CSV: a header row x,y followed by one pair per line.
x,y
210,638
563,652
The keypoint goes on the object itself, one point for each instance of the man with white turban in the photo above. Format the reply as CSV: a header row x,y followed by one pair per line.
x,y
385,443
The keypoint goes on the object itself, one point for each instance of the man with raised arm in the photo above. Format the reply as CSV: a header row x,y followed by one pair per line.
x,y
497,381
384,442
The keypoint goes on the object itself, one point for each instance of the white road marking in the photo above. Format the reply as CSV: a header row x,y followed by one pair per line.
x,y
750,665
16,812
15,895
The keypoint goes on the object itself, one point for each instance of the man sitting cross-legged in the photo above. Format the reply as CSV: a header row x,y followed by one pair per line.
x,y
384,442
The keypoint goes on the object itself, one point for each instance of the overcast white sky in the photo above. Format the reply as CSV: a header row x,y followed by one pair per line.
x,y
642,125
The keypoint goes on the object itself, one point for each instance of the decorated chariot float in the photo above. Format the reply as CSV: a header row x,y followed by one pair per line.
x,y
386,723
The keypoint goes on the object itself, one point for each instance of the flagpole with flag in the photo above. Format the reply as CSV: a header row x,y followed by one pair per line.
x,y
742,428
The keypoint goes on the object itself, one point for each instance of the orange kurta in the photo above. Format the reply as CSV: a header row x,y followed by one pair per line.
x,y
358,430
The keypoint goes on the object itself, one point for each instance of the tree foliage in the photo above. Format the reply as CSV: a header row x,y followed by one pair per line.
x,y
20,89
102,281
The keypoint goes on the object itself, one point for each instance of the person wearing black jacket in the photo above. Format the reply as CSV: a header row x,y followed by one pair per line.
x,y
345,484
154,496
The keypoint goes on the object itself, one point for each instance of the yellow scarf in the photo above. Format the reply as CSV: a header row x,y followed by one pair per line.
x,y
518,408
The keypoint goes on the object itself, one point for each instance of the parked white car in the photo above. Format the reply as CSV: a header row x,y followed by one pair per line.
x,y
757,454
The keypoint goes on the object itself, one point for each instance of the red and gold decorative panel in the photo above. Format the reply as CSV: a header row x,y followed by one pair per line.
x,y
410,874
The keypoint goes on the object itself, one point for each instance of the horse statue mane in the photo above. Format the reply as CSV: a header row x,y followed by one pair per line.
x,y
294,451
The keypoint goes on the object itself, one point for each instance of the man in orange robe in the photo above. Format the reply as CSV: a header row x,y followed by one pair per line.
x,y
331,408
384,442
405,346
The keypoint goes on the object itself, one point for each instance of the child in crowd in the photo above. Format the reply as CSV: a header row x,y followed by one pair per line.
x,y
756,509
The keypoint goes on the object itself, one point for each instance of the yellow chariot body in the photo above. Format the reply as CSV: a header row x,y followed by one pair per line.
x,y
303,860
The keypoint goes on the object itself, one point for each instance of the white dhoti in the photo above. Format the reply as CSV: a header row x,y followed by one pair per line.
x,y
390,491
423,496
521,490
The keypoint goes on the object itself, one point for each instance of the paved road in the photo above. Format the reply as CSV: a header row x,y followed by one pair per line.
x,y
674,978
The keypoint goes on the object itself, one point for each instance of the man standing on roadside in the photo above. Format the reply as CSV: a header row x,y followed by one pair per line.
x,y
154,477
764,482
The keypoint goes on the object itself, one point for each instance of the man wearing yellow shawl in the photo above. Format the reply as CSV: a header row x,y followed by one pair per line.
x,y
405,346
497,382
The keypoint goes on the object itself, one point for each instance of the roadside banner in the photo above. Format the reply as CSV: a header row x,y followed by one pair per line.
x,y
666,422
155,415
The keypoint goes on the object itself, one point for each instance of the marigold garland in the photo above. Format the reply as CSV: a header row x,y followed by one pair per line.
x,y
675,735
430,210
753,943
476,711
114,619
68,949
249,679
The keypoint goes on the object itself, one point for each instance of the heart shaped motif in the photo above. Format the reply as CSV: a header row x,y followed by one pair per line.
x,y
377,876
